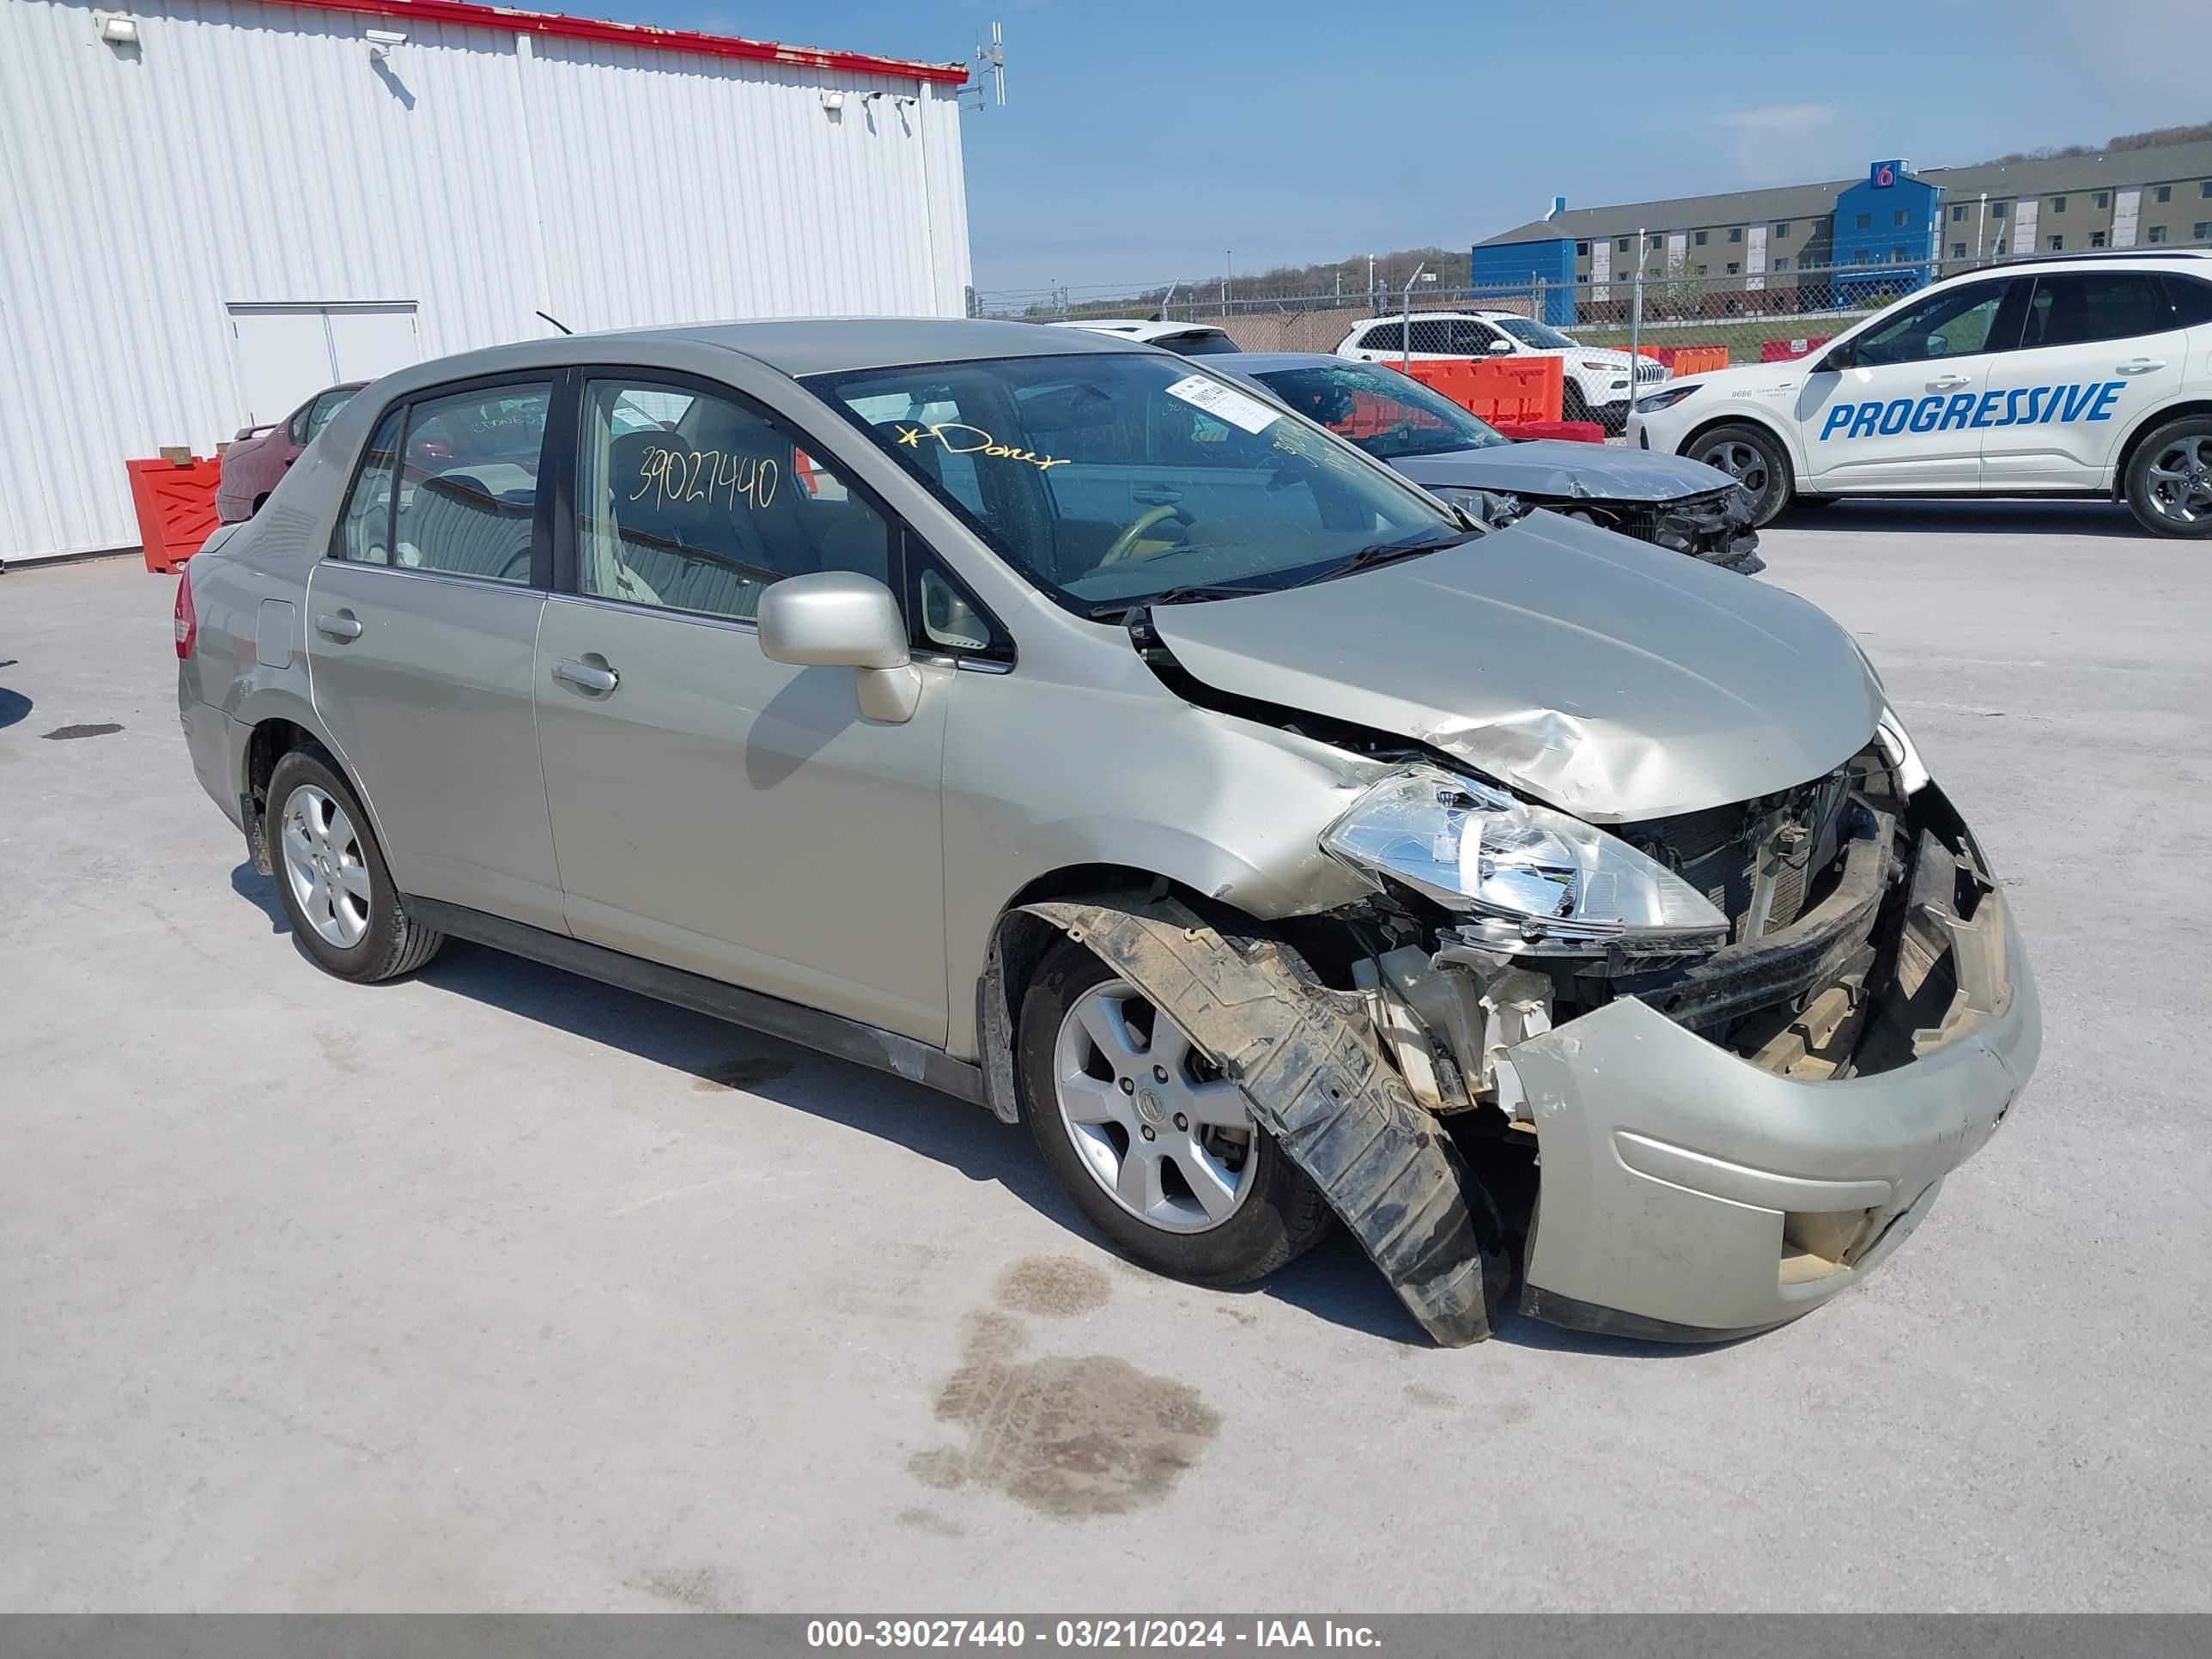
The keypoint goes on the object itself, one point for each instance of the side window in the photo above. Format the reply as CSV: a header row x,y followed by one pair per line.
x,y
696,503
299,428
1432,334
319,412
468,482
364,531
1953,325
1387,337
2077,308
2193,301
1472,337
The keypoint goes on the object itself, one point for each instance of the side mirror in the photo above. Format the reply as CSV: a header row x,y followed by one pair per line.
x,y
841,619
1837,357
1501,345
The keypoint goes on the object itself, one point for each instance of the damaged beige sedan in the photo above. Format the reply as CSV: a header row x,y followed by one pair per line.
x,y
1050,721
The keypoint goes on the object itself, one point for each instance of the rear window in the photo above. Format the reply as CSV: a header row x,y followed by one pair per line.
x,y
1198,342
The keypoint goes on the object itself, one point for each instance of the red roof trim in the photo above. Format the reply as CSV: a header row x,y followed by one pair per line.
x,y
512,21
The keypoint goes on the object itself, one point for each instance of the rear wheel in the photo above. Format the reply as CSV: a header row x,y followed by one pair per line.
x,y
1156,1147
1573,406
2169,481
1754,457
331,875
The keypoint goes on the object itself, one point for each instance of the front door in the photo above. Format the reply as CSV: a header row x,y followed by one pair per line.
x,y
713,809
421,628
2098,349
1902,417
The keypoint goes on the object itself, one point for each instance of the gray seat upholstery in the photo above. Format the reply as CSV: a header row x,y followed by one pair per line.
x,y
471,521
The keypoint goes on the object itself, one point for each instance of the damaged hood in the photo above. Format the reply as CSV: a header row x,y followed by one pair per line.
x,y
1598,675
1556,471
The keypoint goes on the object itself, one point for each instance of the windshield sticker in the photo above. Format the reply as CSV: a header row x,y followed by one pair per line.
x,y
694,475
2022,405
975,441
1231,405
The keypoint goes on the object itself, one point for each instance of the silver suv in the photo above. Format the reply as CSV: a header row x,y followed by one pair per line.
x,y
1044,719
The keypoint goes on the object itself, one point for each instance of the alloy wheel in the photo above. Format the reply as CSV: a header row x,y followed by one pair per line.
x,y
1157,1127
325,866
2180,479
1740,461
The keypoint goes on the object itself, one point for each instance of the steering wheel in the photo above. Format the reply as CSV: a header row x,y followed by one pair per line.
x,y
1122,545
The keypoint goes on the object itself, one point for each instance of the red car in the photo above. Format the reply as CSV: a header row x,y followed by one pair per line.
x,y
257,460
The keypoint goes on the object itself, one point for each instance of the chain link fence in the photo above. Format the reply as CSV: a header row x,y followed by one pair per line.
x,y
1684,319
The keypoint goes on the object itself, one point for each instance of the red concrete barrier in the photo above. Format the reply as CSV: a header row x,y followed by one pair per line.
x,y
175,501
1573,432
1784,351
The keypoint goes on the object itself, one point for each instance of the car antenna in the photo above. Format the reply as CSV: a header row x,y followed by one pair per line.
x,y
557,322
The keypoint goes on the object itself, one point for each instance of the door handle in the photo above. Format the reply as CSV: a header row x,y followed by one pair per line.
x,y
2140,365
342,626
585,677
1948,382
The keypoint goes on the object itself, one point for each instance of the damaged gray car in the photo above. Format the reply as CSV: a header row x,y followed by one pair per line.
x,y
1670,500
1059,725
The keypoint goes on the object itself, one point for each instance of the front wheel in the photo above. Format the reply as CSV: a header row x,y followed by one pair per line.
x,y
1156,1147
1754,457
2169,481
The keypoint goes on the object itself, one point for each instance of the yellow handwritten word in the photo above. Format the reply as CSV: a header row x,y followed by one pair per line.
x,y
910,437
696,474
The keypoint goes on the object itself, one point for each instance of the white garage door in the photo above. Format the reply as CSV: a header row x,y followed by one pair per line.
x,y
282,355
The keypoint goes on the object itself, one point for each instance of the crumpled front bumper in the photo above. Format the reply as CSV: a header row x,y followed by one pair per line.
x,y
1680,1182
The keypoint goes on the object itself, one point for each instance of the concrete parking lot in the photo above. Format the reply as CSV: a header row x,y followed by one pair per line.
x,y
497,1288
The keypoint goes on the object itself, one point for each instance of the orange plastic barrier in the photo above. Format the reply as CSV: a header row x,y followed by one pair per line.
x,y
1687,359
176,507
1505,391
1784,351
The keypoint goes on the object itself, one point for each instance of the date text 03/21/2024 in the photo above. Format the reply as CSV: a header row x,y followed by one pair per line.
x,y
1117,1633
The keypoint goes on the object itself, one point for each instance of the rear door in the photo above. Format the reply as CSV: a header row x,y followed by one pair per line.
x,y
421,627
2098,349
1902,417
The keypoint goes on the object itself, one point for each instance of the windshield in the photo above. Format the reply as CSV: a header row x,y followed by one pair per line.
x,y
1386,414
1113,478
1530,331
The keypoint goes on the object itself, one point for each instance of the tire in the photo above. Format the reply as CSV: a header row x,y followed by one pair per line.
x,y
1277,1212
2169,481
1755,458
256,507
1573,406
1812,503
344,910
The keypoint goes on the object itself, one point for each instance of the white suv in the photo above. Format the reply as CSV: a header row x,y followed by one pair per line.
x,y
1594,379
2084,376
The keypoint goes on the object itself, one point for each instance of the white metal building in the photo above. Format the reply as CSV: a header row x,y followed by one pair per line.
x,y
213,207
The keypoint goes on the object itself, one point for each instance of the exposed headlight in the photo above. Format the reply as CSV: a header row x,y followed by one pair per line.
x,y
1600,368
1896,748
1652,401
1534,876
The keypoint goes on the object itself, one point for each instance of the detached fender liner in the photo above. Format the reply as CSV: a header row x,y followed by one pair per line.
x,y
1306,1060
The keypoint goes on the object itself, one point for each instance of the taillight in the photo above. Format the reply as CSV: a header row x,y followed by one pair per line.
x,y
188,620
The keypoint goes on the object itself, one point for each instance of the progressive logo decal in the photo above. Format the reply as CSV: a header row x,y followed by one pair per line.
x,y
2021,405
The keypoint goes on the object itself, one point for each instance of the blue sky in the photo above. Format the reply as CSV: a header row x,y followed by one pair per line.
x,y
1144,141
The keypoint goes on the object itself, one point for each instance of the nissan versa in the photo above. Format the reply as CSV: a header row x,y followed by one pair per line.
x,y
1040,717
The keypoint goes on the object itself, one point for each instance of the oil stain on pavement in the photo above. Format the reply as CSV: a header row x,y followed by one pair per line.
x,y
1068,1438
1055,1285
97,729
